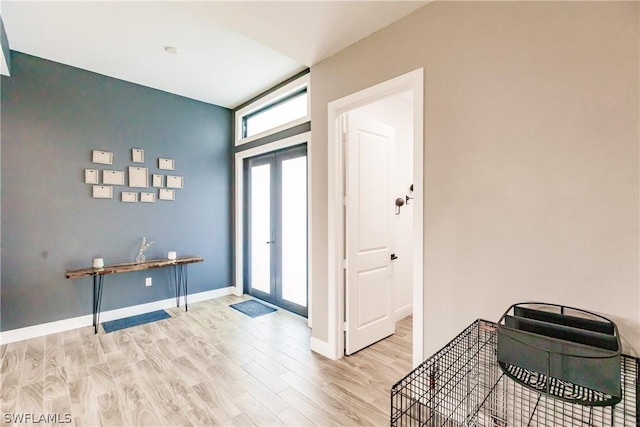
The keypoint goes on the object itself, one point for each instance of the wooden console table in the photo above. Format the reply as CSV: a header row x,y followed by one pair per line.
x,y
179,270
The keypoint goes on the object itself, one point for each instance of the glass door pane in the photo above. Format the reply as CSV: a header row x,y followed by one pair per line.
x,y
260,226
294,230
276,226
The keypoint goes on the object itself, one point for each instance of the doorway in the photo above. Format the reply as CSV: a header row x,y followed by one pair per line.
x,y
338,262
379,219
276,268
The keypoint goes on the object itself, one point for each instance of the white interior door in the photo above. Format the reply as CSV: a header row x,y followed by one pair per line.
x,y
370,149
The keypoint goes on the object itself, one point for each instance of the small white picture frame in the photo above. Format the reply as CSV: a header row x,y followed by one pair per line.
x,y
166,194
174,181
138,177
158,180
129,197
102,157
137,155
91,176
112,177
102,192
166,164
148,197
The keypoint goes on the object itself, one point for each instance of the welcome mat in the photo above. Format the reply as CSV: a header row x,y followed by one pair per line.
x,y
140,319
252,308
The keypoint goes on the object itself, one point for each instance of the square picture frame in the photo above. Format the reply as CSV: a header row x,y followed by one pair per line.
x,y
138,177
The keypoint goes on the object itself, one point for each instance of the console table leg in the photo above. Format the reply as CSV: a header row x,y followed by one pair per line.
x,y
185,281
176,279
97,300
180,276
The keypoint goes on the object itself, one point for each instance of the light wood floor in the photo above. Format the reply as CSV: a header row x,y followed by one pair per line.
x,y
210,366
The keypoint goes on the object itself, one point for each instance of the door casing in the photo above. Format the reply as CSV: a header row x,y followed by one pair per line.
x,y
413,81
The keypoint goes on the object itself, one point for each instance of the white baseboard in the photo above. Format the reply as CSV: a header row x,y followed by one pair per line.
x,y
403,312
322,347
35,331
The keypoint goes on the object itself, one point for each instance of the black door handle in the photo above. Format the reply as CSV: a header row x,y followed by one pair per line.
x,y
393,257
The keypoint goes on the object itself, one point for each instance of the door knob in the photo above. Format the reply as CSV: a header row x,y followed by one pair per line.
x,y
399,204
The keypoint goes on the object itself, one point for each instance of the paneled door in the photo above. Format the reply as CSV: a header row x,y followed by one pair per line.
x,y
276,228
370,149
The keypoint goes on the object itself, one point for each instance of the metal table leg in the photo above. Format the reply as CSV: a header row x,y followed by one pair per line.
x,y
180,277
98,279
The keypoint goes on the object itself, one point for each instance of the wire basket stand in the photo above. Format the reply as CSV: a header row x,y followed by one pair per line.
x,y
462,385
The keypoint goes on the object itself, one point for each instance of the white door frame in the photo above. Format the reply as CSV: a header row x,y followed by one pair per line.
x,y
411,81
239,214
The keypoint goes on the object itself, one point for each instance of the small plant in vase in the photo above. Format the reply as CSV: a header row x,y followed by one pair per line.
x,y
143,247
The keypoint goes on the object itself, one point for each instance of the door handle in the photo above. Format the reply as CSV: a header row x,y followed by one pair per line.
x,y
393,257
270,242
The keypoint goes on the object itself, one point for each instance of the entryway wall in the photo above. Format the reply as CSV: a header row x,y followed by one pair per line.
x,y
396,111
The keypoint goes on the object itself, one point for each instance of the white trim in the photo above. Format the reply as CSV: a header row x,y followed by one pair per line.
x,y
411,81
321,347
403,312
43,329
4,67
274,96
239,211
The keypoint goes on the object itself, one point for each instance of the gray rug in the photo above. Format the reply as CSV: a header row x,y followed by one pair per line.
x,y
252,308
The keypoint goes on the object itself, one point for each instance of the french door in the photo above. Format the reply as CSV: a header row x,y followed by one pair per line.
x,y
276,226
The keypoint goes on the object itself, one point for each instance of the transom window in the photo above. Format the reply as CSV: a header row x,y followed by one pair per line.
x,y
279,110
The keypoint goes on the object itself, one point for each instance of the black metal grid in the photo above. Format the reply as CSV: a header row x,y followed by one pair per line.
x,y
462,385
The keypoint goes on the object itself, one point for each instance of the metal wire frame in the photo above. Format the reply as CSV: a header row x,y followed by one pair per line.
x,y
462,385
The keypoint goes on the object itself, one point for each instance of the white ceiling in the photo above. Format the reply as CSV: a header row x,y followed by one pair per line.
x,y
229,51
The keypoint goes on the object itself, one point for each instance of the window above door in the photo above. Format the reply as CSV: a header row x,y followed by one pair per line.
x,y
281,109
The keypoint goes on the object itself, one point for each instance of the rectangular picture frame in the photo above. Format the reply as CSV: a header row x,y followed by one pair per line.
x,y
129,197
91,176
137,155
112,177
102,157
158,181
166,164
148,197
102,192
175,181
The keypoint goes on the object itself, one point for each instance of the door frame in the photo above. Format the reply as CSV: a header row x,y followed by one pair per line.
x,y
240,156
413,81
275,159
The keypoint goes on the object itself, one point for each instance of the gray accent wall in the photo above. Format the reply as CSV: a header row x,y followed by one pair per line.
x,y
53,116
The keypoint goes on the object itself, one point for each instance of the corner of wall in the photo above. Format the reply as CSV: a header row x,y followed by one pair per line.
x,y
5,64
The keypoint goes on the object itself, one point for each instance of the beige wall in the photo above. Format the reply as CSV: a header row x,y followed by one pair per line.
x,y
531,156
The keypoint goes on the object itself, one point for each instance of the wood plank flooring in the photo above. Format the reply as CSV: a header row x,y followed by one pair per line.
x,y
209,366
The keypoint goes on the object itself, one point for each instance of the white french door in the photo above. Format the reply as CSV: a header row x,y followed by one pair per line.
x,y
276,225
